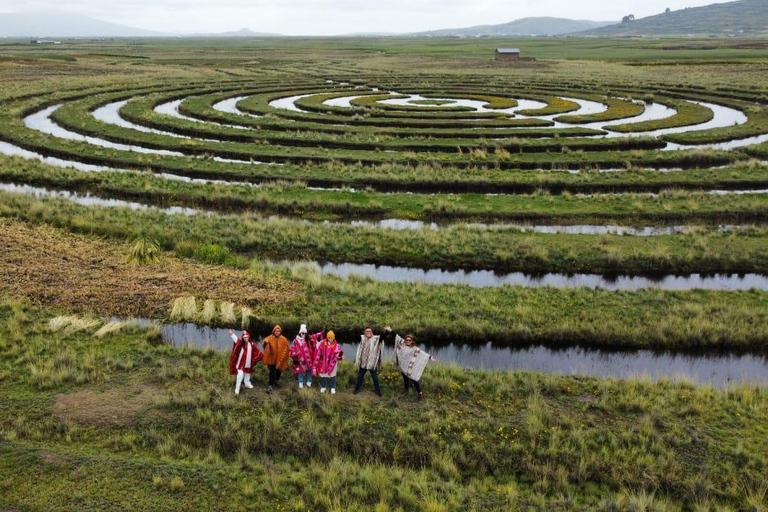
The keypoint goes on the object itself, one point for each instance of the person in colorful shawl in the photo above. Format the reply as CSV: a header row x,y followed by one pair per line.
x,y
368,358
245,356
411,361
327,355
314,341
275,355
302,353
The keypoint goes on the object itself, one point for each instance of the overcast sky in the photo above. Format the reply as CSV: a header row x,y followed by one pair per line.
x,y
328,17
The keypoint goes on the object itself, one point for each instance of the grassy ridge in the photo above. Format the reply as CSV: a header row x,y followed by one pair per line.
x,y
617,109
686,114
138,111
454,248
201,167
507,315
295,199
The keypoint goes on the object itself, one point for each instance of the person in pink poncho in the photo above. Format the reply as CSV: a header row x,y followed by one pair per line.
x,y
303,354
328,353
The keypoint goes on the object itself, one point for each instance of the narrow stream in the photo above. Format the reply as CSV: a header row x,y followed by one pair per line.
x,y
91,200
229,106
393,224
718,369
488,278
171,109
42,122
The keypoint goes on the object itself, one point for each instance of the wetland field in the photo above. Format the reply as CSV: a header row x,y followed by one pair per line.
x,y
580,238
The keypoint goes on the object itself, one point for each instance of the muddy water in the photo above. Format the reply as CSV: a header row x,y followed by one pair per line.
x,y
487,278
479,106
712,369
723,116
172,109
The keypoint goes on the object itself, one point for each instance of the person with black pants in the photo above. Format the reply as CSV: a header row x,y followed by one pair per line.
x,y
368,358
275,355
411,361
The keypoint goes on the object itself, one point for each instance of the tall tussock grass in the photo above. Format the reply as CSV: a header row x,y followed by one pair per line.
x,y
110,328
72,324
184,309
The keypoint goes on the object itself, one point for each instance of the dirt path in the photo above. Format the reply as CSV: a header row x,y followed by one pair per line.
x,y
87,275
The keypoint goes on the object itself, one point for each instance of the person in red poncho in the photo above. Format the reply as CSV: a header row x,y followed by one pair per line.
x,y
245,356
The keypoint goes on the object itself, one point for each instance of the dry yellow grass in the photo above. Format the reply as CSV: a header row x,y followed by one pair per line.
x,y
84,274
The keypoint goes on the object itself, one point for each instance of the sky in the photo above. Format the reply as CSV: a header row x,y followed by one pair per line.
x,y
333,17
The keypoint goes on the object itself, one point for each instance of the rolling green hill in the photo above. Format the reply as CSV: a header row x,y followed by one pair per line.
x,y
543,26
741,18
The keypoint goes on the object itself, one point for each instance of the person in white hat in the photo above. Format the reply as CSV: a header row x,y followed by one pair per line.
x,y
303,357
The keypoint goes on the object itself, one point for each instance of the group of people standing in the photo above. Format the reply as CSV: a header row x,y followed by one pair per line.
x,y
318,355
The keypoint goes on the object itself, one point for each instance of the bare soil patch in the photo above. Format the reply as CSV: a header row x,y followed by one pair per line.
x,y
52,458
115,407
88,275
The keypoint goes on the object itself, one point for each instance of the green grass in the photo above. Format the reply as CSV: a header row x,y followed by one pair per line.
x,y
704,320
455,248
551,196
101,416
687,114
617,109
481,440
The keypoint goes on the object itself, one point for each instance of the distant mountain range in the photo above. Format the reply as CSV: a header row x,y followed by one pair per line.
x,y
740,18
61,25
42,25
543,26
243,32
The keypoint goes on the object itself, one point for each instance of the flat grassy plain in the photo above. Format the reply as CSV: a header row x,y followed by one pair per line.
x,y
105,416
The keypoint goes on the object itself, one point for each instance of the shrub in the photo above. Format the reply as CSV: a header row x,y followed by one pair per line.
x,y
144,250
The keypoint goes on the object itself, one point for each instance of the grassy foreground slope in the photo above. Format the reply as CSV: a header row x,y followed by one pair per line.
x,y
118,421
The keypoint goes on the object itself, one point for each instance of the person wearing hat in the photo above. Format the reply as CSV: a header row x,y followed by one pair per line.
x,y
327,355
302,354
245,356
275,355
